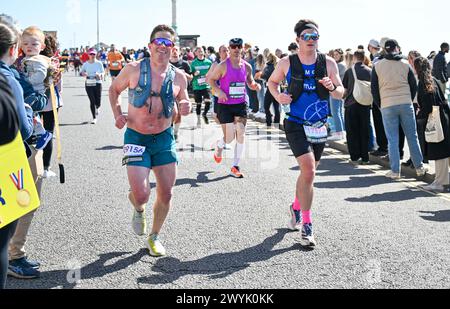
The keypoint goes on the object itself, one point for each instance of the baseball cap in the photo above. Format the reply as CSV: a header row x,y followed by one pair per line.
x,y
374,43
390,45
92,51
383,42
236,41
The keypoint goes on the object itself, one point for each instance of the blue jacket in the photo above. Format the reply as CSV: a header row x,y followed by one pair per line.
x,y
25,115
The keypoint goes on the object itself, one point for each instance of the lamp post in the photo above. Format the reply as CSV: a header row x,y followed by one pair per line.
x,y
98,24
174,19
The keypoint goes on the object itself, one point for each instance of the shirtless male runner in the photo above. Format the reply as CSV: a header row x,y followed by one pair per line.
x,y
157,94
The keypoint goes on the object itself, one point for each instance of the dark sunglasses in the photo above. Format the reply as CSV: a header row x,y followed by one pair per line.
x,y
163,41
310,36
236,46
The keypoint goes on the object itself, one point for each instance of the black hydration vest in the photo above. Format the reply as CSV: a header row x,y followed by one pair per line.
x,y
296,86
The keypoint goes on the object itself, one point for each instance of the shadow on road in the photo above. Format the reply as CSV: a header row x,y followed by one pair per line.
x,y
97,269
74,124
218,266
202,178
354,182
107,148
399,196
436,216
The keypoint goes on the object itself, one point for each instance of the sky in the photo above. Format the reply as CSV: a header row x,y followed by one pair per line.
x,y
416,24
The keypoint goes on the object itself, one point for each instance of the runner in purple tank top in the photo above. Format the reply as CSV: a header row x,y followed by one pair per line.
x,y
233,74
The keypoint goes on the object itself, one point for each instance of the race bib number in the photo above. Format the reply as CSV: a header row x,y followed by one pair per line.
x,y
133,151
91,82
115,64
237,90
202,81
316,135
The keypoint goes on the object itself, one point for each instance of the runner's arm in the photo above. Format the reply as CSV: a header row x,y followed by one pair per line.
x,y
215,76
184,104
278,76
119,85
250,80
333,83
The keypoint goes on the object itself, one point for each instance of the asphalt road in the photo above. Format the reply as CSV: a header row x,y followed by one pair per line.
x,y
228,233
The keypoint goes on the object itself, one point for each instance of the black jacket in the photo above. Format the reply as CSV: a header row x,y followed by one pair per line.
x,y
268,70
440,67
9,119
426,102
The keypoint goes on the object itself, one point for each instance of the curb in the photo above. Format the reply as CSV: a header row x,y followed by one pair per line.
x,y
406,171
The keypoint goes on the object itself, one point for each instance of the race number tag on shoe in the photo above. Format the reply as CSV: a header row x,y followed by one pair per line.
x,y
316,135
91,82
133,151
237,90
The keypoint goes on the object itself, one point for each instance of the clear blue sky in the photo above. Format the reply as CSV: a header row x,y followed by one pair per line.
x,y
421,25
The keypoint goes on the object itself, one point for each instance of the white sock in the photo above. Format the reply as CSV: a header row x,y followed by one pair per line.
x,y
238,152
221,143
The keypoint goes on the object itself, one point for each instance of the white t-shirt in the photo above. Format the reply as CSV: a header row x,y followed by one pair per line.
x,y
92,68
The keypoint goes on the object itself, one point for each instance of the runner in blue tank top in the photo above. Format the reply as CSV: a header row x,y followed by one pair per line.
x,y
312,78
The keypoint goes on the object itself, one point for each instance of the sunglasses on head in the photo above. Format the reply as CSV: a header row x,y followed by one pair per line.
x,y
163,41
310,36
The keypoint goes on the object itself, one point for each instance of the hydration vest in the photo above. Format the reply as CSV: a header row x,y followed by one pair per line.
x,y
296,86
139,95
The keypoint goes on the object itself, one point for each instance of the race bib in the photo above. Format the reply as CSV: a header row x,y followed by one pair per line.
x,y
115,64
133,151
91,82
201,81
237,90
316,135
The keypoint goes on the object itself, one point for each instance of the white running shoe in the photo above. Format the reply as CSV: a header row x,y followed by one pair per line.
x,y
307,237
435,188
422,171
295,222
48,174
394,176
139,223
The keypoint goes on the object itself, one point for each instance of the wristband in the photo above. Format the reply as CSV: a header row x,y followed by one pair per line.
x,y
335,87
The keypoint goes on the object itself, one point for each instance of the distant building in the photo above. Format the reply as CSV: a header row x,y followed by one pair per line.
x,y
188,41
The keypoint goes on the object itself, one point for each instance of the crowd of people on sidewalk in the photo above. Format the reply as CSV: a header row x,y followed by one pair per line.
x,y
373,97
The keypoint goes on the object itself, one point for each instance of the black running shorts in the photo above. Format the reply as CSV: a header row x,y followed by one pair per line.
x,y
227,113
202,95
295,134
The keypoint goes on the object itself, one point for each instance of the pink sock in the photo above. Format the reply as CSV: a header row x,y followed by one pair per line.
x,y
297,206
306,215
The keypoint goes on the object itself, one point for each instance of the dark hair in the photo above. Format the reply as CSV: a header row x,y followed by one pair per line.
x,y
302,25
360,55
211,50
51,46
8,38
162,28
360,47
293,46
444,46
423,69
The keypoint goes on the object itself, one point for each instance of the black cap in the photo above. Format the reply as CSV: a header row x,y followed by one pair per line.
x,y
390,45
236,41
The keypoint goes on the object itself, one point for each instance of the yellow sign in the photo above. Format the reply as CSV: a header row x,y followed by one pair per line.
x,y
18,194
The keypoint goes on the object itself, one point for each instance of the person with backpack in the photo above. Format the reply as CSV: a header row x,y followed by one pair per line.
x,y
357,114
312,78
394,87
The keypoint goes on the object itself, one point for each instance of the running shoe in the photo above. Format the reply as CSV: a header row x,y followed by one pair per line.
x,y
139,223
25,263
22,272
43,140
393,175
94,121
48,174
295,222
421,172
307,239
216,157
155,246
205,118
435,188
236,171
